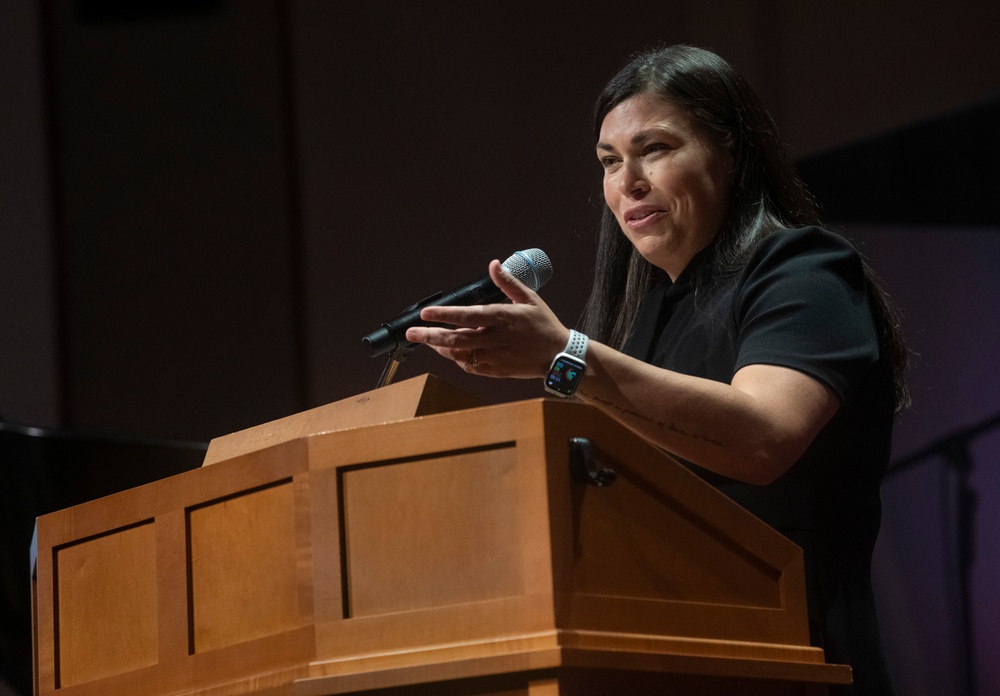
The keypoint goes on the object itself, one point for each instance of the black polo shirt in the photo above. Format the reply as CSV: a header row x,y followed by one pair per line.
x,y
801,302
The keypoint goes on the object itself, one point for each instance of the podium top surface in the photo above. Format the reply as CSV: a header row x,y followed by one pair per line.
x,y
419,396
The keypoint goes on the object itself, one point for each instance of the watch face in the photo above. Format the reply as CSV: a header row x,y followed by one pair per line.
x,y
565,374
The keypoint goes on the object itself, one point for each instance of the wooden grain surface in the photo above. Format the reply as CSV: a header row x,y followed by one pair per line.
x,y
443,549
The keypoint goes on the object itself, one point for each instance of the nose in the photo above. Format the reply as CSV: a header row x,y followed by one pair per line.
x,y
633,181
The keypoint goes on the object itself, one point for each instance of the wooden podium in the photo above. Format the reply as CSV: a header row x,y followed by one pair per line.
x,y
460,552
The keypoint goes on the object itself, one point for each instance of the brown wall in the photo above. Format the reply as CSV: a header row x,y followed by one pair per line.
x,y
242,190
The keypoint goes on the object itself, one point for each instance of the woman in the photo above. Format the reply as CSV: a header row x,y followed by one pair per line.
x,y
724,327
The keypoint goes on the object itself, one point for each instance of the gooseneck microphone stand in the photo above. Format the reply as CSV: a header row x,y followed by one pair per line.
x,y
954,449
396,358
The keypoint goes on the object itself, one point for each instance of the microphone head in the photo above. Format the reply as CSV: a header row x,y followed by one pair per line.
x,y
531,266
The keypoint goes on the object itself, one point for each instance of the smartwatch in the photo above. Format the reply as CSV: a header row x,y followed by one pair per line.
x,y
568,367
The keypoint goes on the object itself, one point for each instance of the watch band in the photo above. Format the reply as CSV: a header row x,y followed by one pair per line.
x,y
576,345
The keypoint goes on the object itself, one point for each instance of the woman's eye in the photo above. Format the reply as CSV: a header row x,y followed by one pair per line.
x,y
655,147
609,162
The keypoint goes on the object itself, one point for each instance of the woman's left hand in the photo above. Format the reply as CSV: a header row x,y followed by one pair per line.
x,y
497,340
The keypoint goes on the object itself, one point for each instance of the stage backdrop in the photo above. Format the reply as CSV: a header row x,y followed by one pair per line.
x,y
207,203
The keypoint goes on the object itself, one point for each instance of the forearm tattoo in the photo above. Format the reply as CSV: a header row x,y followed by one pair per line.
x,y
659,424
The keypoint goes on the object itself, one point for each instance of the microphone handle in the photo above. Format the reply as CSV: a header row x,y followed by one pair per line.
x,y
391,335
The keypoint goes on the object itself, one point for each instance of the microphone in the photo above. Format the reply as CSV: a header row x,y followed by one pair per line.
x,y
531,266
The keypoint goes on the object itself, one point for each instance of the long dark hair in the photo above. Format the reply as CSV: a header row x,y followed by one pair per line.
x,y
766,196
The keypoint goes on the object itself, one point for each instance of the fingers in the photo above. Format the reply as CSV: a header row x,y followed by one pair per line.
x,y
484,315
467,359
445,339
516,339
465,317
515,290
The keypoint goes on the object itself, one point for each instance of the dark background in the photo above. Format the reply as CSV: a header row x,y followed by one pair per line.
x,y
205,204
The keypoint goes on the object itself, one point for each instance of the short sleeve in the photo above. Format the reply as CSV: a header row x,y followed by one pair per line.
x,y
803,303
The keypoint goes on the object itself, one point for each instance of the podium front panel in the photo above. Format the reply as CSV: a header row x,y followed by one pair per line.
x,y
419,534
